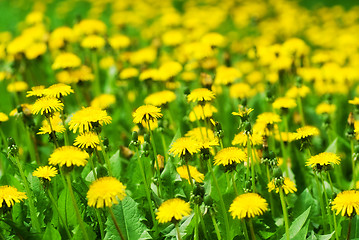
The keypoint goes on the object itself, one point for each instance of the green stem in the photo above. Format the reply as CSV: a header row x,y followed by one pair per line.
x,y
326,203
52,132
224,212
100,223
249,149
321,203
58,213
300,106
353,162
196,234
33,212
189,176
116,224
245,230
159,184
251,229
349,228
97,84
178,232
335,226
104,154
66,136
164,147
203,225
234,184
285,213
93,166
216,229
77,211
270,194
147,190
330,182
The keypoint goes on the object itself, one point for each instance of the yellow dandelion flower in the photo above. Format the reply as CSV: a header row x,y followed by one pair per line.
x,y
226,75
148,74
346,202
306,131
3,117
183,146
90,26
229,155
241,139
268,118
325,108
248,205
129,73
195,174
105,191
119,41
144,55
87,140
146,113
46,172
203,136
18,86
295,92
200,95
35,50
83,74
201,112
354,101
285,136
103,101
66,60
168,70
323,159
85,119
56,125
243,111
288,186
93,42
160,98
214,39
241,90
58,90
25,109
69,156
37,91
173,210
47,105
10,195
284,102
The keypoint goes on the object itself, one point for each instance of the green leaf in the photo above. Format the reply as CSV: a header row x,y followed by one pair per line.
x,y
298,224
51,233
129,220
66,208
332,148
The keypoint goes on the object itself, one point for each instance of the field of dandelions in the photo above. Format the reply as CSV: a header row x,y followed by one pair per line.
x,y
192,119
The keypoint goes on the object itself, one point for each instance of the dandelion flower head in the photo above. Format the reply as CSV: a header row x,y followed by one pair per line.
x,y
323,159
229,155
10,195
3,117
69,156
85,119
160,98
103,101
58,90
66,60
288,186
146,113
248,205
105,191
47,105
200,95
184,146
284,102
46,172
173,210
268,118
87,140
306,131
56,125
37,91
195,174
346,203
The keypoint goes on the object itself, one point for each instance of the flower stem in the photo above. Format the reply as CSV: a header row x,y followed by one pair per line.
x,y
52,132
353,162
321,203
251,229
159,185
249,156
97,85
116,224
66,136
270,194
216,229
300,107
77,211
107,160
234,184
178,232
224,212
285,213
349,228
58,213
245,231
93,166
335,226
326,203
33,212
147,190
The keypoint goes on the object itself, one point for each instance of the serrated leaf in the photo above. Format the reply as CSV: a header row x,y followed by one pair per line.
x,y
129,220
51,233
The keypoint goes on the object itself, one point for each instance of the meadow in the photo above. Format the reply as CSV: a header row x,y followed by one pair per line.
x,y
196,119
